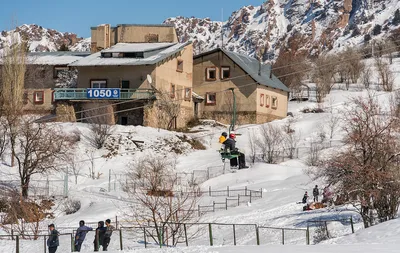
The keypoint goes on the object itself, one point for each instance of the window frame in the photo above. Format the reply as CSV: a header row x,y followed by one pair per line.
x,y
125,81
261,100
208,100
267,101
207,75
35,100
172,90
274,106
188,97
100,81
58,68
222,72
179,65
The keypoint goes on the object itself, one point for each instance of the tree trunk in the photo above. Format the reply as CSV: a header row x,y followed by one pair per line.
x,y
25,186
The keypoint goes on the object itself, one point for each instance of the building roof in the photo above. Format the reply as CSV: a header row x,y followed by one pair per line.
x,y
251,66
138,25
136,47
55,58
153,53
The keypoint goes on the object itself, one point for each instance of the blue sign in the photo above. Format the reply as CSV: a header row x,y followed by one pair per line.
x,y
103,93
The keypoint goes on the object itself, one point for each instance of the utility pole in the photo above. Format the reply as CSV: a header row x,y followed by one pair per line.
x,y
232,126
222,27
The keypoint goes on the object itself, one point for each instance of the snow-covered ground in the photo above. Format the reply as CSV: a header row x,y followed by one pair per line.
x,y
282,184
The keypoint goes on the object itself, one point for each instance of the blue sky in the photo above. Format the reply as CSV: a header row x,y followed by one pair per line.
x,y
79,15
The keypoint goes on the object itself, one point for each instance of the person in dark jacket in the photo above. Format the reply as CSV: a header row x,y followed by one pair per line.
x,y
99,236
80,235
305,197
52,241
107,235
315,193
230,144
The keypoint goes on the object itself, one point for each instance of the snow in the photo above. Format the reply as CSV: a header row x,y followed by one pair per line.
x,y
54,58
282,185
136,47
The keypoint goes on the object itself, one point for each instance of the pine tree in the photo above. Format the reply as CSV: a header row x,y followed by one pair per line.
x,y
63,47
396,18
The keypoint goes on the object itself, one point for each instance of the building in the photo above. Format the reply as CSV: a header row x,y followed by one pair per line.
x,y
152,81
260,96
42,75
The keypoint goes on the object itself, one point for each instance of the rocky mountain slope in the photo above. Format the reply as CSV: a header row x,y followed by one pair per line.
x,y
303,26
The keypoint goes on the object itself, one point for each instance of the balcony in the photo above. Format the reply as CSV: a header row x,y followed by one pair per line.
x,y
82,94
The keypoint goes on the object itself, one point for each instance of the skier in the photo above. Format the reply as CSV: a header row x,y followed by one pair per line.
x,y
305,197
230,144
107,235
315,193
80,235
52,241
99,236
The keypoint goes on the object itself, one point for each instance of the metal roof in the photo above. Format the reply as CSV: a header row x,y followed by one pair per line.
x,y
252,66
138,25
55,58
155,55
136,47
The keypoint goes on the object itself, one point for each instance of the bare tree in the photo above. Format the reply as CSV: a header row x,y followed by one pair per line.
x,y
385,74
332,124
37,148
74,167
291,138
253,147
169,108
90,153
324,70
100,128
314,155
270,142
162,200
12,88
366,171
366,77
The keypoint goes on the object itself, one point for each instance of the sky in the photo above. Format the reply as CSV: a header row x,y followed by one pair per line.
x,y
78,16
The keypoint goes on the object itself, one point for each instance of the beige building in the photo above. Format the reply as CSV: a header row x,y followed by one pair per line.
x,y
260,96
44,72
154,79
105,36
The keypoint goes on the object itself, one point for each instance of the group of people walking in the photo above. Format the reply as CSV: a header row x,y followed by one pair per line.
x,y
102,236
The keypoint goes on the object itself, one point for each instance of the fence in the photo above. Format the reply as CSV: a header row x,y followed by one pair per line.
x,y
39,188
233,198
326,229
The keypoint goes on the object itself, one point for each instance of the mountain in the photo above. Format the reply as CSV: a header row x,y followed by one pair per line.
x,y
41,39
306,27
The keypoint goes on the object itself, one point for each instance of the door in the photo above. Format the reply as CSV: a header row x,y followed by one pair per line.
x,y
196,110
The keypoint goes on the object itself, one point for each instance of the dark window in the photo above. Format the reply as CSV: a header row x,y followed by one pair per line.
x,y
124,85
211,98
124,121
211,74
134,55
179,67
225,72
106,55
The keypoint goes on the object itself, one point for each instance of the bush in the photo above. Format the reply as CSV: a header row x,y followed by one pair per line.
x,y
71,206
367,37
312,110
377,30
355,32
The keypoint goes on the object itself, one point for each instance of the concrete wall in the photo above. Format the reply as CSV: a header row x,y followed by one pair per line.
x,y
30,106
265,110
246,91
136,75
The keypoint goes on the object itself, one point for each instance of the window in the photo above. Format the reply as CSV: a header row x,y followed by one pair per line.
x,y
173,90
211,98
124,85
267,101
179,67
188,94
106,55
52,97
274,102
38,97
225,72
211,74
261,99
97,84
59,69
124,120
134,55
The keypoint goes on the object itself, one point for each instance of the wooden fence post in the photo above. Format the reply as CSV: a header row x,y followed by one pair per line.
x,y
308,235
144,233
250,196
326,227
209,191
283,236
245,191
72,242
352,224
257,235
120,239
227,190
44,244
226,203
238,199
17,244
210,234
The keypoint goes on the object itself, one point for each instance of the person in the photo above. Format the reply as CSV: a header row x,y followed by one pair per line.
x,y
107,235
99,236
305,197
230,144
52,241
80,235
223,137
315,193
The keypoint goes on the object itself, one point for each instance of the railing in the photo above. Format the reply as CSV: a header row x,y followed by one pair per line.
x,y
81,94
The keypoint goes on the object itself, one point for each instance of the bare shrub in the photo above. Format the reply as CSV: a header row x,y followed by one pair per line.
x,y
385,74
366,77
269,142
314,155
253,147
168,106
161,199
291,139
322,76
71,206
366,171
320,233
